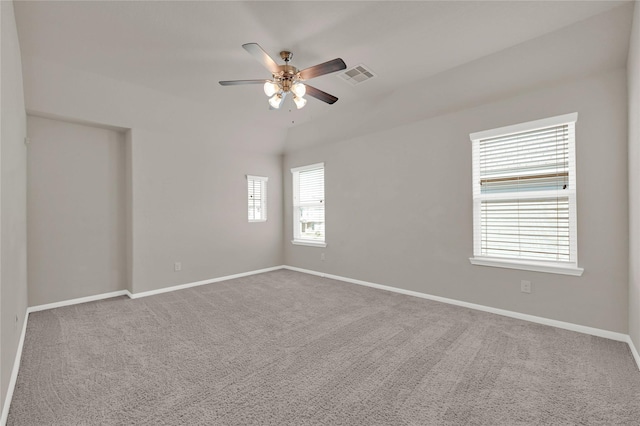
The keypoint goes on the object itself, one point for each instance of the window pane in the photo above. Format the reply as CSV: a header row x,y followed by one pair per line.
x,y
540,182
312,186
526,229
311,222
541,151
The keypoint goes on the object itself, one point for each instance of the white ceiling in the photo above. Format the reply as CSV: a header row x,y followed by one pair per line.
x,y
185,48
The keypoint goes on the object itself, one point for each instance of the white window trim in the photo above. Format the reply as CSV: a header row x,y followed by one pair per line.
x,y
309,167
264,195
551,268
525,127
310,243
569,268
304,241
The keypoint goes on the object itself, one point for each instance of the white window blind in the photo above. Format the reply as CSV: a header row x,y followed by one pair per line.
x,y
308,204
257,198
524,193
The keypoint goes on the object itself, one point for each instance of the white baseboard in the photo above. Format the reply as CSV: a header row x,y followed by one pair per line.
x,y
634,351
531,318
14,373
146,293
198,283
77,301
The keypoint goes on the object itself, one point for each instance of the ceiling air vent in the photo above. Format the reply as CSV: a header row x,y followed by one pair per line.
x,y
356,75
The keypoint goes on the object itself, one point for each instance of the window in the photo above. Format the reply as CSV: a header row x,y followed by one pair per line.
x,y
308,205
257,197
524,196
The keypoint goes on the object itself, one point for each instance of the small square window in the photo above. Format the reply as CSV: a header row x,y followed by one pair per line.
x,y
257,198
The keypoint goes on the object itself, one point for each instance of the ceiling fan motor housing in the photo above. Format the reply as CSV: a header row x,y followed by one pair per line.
x,y
287,76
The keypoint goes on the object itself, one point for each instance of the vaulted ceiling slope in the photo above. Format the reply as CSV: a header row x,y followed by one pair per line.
x,y
185,48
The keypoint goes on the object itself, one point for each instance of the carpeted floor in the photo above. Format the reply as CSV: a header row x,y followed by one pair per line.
x,y
285,348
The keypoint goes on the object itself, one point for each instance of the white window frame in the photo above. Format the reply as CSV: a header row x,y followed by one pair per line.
x,y
297,238
565,268
263,197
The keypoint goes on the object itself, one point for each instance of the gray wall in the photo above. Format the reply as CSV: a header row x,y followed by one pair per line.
x,y
13,251
399,208
190,206
633,75
75,210
186,189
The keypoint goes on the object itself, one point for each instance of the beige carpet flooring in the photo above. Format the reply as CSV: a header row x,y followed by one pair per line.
x,y
286,348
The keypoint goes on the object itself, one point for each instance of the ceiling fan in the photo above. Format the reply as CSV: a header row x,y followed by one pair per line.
x,y
288,79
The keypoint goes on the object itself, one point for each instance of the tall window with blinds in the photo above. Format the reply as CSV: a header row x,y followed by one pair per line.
x,y
524,196
308,205
257,198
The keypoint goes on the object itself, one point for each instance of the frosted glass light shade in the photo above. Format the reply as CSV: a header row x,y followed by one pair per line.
x,y
275,101
299,89
271,88
300,101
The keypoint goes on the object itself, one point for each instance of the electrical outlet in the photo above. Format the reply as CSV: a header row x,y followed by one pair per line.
x,y
525,286
177,266
322,257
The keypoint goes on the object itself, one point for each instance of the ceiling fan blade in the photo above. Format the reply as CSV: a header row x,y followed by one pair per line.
x,y
322,69
320,95
262,57
238,82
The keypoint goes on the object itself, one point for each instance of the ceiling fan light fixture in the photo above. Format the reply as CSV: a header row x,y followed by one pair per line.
x,y
299,89
271,88
275,101
300,101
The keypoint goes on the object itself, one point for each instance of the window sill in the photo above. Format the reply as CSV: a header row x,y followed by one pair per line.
x,y
528,266
310,243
